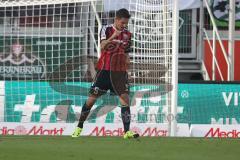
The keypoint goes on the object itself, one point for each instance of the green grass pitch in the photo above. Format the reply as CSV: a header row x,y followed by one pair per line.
x,y
116,148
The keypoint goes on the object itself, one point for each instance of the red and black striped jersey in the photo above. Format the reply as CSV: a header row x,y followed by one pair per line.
x,y
114,57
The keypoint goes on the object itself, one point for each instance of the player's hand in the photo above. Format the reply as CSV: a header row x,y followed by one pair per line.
x,y
110,43
116,33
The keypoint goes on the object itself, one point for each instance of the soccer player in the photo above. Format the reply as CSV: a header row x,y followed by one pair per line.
x,y
112,71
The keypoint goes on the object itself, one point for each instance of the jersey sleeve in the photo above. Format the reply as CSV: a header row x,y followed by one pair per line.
x,y
103,35
129,47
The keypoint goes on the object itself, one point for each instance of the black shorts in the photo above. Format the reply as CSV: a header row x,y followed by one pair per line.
x,y
115,81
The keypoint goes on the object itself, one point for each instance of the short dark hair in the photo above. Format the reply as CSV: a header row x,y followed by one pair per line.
x,y
123,13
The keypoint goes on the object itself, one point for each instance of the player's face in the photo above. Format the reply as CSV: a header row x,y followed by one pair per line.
x,y
121,23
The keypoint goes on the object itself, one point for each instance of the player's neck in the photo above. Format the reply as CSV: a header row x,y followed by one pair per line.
x,y
114,26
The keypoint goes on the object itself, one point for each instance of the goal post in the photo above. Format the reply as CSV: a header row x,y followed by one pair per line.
x,y
48,52
174,94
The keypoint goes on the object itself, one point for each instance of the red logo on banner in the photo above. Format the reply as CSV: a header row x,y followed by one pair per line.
x,y
35,130
106,132
102,131
155,132
222,134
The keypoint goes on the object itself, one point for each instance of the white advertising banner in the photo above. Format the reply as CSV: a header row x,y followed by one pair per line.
x,y
91,129
217,131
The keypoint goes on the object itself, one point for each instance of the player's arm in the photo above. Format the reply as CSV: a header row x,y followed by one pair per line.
x,y
105,42
128,49
127,60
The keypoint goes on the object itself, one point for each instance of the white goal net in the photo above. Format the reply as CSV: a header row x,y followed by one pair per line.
x,y
48,52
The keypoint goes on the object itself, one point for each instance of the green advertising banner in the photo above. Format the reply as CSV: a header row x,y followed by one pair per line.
x,y
53,102
35,58
210,103
63,99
